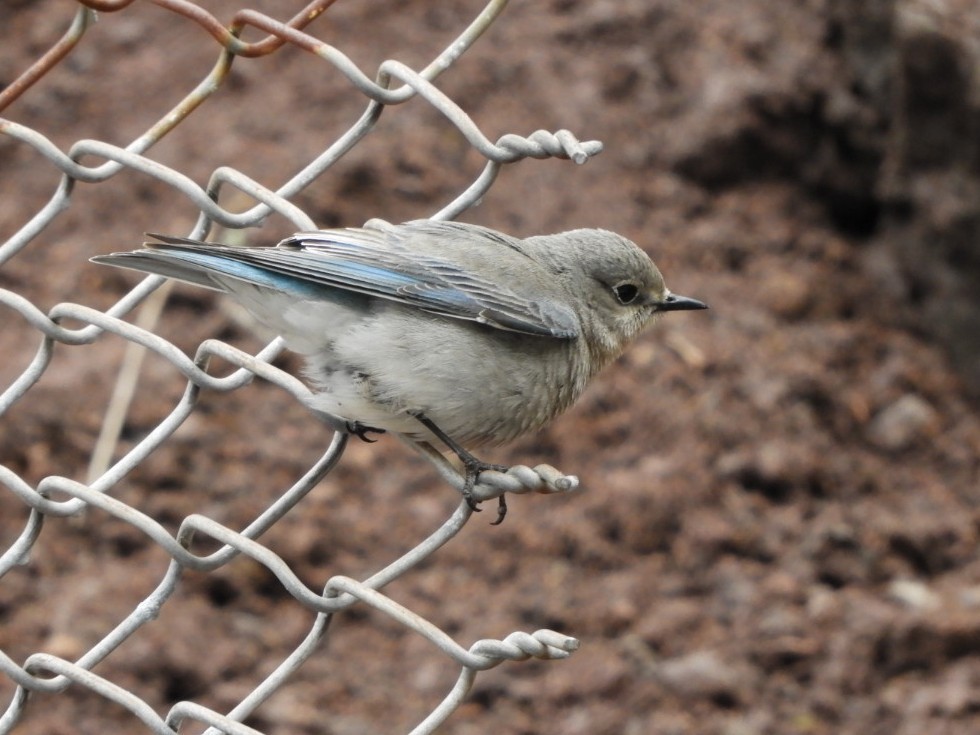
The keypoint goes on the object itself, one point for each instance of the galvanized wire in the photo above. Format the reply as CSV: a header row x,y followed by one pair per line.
x,y
54,496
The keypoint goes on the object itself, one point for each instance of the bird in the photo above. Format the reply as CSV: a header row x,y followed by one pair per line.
x,y
445,332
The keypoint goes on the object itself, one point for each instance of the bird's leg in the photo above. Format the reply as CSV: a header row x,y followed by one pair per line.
x,y
361,431
471,464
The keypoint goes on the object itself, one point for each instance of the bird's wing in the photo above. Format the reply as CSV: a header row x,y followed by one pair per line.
x,y
363,261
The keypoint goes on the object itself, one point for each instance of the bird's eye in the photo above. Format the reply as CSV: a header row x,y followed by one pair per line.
x,y
626,293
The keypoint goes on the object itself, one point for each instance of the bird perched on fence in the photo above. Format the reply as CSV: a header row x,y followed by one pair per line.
x,y
437,330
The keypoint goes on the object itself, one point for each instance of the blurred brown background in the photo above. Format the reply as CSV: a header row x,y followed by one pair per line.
x,y
778,528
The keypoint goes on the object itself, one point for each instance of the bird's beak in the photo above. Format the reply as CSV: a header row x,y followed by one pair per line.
x,y
673,302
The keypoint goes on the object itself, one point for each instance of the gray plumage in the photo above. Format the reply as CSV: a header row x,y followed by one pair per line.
x,y
487,336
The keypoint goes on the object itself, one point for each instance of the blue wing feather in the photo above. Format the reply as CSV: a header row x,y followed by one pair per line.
x,y
360,261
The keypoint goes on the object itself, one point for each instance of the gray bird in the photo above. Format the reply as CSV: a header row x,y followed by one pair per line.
x,y
436,330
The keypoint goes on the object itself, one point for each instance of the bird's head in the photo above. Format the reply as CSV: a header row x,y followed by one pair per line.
x,y
616,287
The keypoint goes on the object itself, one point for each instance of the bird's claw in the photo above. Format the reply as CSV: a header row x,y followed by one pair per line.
x,y
361,431
473,468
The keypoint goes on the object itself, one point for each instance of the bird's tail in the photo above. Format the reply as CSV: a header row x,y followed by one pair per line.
x,y
192,261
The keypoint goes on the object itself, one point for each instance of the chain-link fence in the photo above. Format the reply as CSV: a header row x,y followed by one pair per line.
x,y
80,326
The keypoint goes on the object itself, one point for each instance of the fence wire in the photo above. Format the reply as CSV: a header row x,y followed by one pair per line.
x,y
57,496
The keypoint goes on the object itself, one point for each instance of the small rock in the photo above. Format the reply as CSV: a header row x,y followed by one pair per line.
x,y
701,675
899,425
787,294
914,594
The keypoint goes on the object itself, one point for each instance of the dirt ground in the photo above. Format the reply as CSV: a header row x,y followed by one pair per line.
x,y
778,526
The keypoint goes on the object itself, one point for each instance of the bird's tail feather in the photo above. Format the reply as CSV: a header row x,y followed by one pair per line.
x,y
198,263
149,261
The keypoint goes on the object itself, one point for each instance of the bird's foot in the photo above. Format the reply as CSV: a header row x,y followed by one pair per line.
x,y
474,467
471,464
361,431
